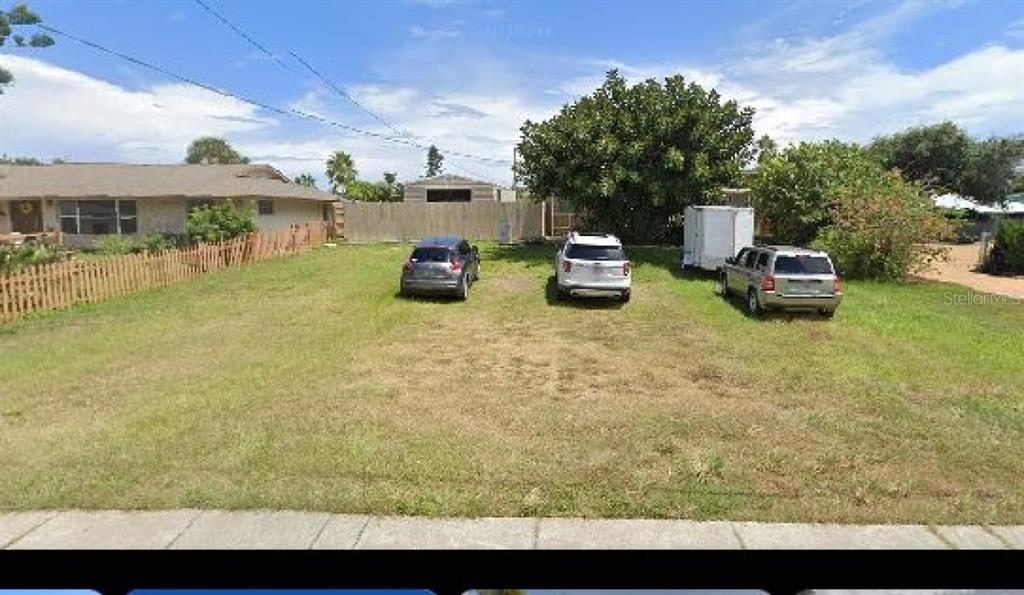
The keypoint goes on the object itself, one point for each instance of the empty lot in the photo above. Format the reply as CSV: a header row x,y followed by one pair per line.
x,y
307,383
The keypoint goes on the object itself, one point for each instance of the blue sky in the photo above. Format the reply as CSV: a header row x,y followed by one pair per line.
x,y
466,74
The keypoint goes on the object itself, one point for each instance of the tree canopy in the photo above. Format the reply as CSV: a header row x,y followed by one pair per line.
x,y
19,16
341,171
840,198
629,157
387,190
305,179
944,158
434,161
793,188
210,150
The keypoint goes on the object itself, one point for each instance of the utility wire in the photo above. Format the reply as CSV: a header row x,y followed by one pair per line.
x,y
346,95
266,106
239,30
340,90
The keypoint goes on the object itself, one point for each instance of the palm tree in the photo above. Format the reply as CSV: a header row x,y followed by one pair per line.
x,y
341,171
305,179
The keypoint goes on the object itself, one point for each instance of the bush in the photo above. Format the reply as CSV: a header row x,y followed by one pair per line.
x,y
158,242
218,223
883,227
1007,254
16,258
115,245
794,187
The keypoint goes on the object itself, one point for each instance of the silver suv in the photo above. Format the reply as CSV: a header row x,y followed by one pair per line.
x,y
782,278
441,264
592,264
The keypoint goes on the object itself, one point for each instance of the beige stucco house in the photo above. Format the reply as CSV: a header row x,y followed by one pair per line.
x,y
89,200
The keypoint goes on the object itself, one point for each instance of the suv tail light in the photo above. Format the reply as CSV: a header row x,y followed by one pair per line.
x,y
407,266
768,283
837,286
566,266
456,263
626,267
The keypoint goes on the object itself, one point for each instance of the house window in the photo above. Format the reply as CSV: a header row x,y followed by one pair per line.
x,y
449,195
265,207
98,217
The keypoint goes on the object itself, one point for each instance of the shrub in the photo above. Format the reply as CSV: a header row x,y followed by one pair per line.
x,y
218,223
1008,249
794,187
114,245
883,227
158,242
16,258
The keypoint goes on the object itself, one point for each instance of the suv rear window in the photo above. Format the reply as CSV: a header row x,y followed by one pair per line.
x,y
802,265
589,252
435,254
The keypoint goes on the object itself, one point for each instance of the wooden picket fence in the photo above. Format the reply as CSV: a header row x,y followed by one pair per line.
x,y
61,285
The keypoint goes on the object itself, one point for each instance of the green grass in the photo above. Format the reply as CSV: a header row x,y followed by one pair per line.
x,y
307,383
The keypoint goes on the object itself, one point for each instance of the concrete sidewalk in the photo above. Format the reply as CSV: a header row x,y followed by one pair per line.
x,y
194,529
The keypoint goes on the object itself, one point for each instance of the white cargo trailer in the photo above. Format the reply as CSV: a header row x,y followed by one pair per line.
x,y
712,233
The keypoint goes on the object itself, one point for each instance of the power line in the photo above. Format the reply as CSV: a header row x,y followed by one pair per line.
x,y
263,105
340,90
239,30
345,94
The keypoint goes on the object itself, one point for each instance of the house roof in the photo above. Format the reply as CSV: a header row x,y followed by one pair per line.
x,y
120,180
449,179
960,203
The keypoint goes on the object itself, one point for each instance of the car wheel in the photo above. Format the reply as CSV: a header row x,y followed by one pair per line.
x,y
624,297
827,313
403,291
560,293
754,307
723,286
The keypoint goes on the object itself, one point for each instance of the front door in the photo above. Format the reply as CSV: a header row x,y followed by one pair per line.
x,y
26,216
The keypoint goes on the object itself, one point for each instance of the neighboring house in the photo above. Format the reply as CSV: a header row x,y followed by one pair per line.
x,y
89,200
451,188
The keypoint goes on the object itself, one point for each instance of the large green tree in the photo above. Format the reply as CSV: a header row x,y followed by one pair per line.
x,y
935,156
434,161
991,172
210,150
19,16
838,197
944,158
793,188
630,157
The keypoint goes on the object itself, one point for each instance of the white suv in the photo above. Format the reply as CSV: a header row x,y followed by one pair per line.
x,y
592,264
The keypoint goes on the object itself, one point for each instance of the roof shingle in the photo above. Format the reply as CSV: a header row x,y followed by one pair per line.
x,y
118,180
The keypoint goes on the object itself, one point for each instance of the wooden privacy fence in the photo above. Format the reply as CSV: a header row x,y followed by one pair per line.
x,y
60,285
404,221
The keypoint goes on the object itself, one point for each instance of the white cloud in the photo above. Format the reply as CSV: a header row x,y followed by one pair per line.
x,y
1015,30
433,34
844,86
53,111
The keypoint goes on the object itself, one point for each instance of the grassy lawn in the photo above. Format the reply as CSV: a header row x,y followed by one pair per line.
x,y
306,383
